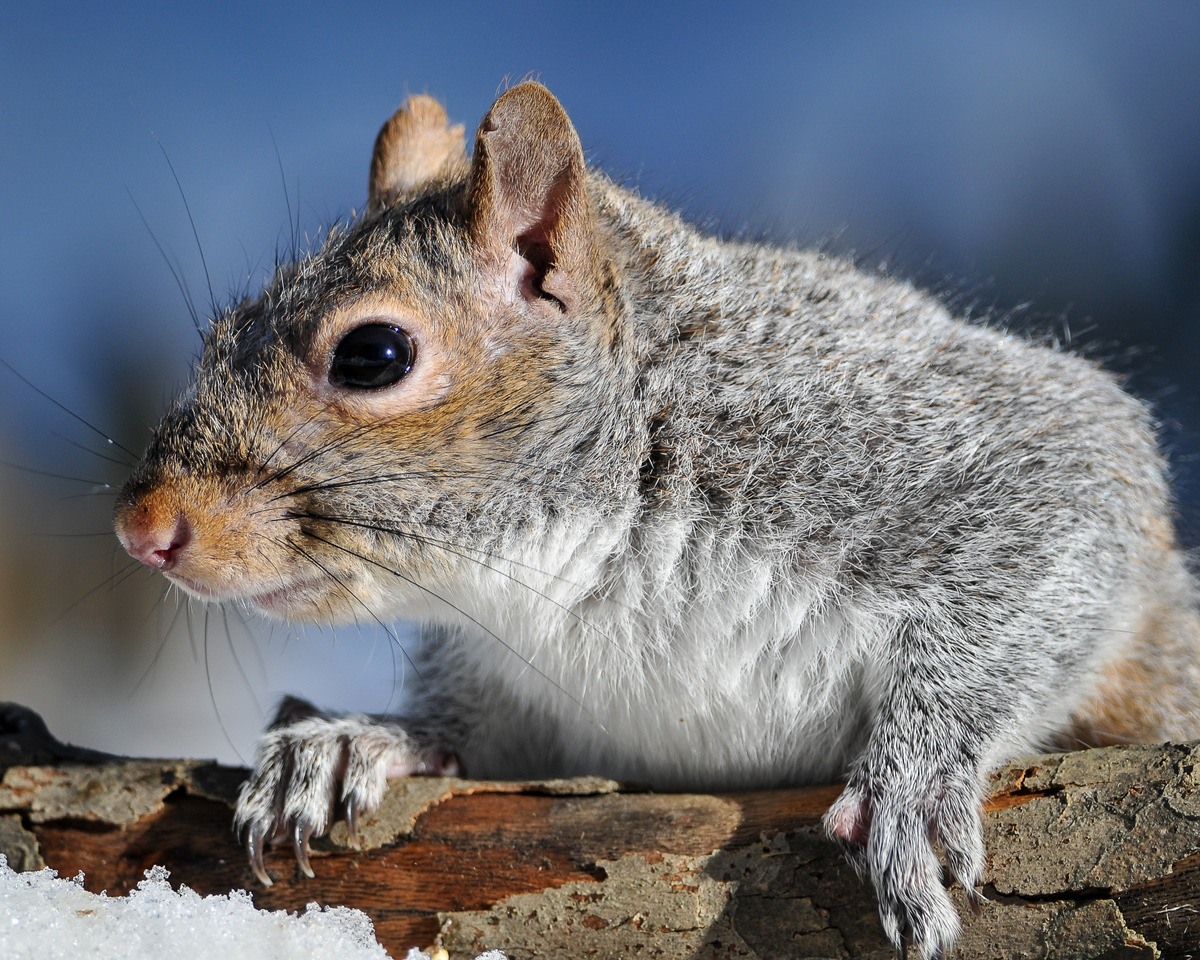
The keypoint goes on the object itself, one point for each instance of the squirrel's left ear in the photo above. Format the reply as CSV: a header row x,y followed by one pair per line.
x,y
416,149
527,202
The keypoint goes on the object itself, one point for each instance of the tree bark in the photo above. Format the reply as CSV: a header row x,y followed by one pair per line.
x,y
1091,854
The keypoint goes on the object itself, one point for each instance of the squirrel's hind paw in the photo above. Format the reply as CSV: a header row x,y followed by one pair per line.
x,y
310,766
891,840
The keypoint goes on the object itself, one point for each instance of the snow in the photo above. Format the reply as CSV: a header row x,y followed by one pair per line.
x,y
45,917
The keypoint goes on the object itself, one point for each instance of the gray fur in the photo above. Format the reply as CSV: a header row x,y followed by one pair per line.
x,y
757,517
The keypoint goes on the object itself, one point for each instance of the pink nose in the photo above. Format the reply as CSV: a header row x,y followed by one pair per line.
x,y
156,542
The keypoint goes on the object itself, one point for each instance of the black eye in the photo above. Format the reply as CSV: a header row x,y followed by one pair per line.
x,y
372,356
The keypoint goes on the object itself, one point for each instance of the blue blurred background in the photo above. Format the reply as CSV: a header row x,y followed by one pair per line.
x,y
1037,158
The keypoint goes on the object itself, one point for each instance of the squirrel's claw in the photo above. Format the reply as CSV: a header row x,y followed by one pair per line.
x,y
352,809
300,834
255,835
975,900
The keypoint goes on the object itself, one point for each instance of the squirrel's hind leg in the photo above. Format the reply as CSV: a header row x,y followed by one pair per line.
x,y
919,780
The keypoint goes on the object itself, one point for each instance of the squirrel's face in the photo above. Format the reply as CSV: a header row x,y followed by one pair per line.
x,y
416,393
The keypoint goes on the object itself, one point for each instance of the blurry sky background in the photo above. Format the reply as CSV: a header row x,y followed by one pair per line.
x,y
1036,156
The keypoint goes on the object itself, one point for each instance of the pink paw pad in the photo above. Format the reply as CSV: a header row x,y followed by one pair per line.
x,y
849,820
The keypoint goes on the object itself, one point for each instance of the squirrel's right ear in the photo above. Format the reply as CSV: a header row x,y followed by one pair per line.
x,y
527,202
415,149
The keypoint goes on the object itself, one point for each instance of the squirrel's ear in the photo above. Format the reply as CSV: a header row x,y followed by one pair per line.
x,y
527,202
416,148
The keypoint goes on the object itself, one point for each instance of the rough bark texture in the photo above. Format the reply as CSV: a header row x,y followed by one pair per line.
x,y
1091,855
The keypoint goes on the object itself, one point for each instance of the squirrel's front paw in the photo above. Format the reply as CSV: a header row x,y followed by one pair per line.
x,y
891,839
309,765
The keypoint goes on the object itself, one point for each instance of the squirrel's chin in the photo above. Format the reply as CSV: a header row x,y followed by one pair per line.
x,y
193,588
306,600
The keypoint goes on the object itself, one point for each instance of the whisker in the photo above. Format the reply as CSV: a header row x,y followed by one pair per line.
x,y
240,614
191,628
292,224
191,220
357,599
86,449
112,581
350,434
55,476
396,683
184,292
64,408
459,553
237,661
453,606
571,413
212,694
330,444
101,533
446,544
436,474
162,644
282,443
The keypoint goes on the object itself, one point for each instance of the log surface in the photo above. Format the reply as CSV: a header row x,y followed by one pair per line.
x,y
1093,854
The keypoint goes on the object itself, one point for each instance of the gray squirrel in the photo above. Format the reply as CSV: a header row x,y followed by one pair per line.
x,y
674,510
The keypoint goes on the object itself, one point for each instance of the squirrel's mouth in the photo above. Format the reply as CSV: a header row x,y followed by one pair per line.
x,y
276,602
193,587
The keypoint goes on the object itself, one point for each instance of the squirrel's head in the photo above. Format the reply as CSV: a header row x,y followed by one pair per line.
x,y
426,387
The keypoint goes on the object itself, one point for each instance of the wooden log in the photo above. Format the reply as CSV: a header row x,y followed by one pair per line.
x,y
1091,854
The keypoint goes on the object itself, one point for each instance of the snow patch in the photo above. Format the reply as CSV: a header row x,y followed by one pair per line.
x,y
44,917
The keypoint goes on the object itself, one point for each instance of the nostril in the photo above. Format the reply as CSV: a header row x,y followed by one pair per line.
x,y
158,545
166,557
